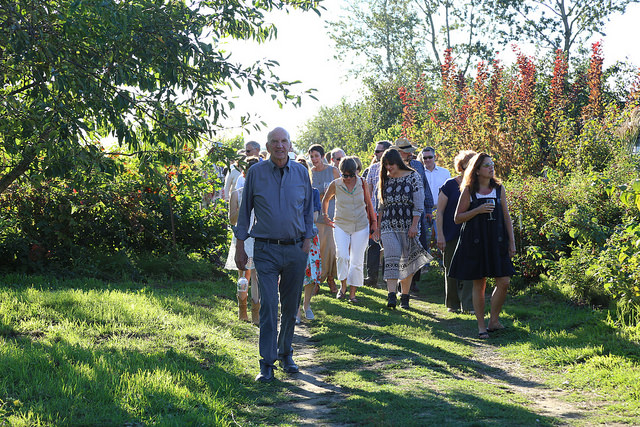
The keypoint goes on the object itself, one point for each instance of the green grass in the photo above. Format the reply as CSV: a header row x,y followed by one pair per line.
x,y
87,352
94,353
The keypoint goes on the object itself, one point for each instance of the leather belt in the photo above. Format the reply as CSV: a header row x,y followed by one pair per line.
x,y
279,242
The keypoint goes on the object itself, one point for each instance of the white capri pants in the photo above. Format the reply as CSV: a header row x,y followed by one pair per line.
x,y
350,250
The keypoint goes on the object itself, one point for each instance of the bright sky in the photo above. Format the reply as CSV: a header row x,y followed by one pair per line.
x,y
304,51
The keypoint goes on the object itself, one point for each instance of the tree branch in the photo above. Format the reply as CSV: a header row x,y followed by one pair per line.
x,y
29,156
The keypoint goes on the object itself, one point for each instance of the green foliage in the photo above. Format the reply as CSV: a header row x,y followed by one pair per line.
x,y
107,228
617,267
557,26
347,126
558,214
399,40
150,73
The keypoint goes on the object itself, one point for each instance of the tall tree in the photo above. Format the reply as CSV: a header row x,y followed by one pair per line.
x,y
350,126
460,26
383,33
554,24
150,72
401,39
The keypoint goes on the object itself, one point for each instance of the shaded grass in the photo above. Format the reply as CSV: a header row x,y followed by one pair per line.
x,y
416,367
86,352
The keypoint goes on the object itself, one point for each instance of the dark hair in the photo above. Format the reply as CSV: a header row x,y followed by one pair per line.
x,y
385,144
433,150
471,174
348,165
302,161
316,147
248,162
390,157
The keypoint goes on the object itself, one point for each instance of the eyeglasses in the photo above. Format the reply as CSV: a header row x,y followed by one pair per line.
x,y
427,157
345,175
379,151
488,165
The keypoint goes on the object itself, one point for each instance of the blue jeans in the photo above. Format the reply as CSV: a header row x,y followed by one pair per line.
x,y
287,264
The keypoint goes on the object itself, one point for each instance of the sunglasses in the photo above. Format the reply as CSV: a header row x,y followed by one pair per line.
x,y
379,151
427,157
344,175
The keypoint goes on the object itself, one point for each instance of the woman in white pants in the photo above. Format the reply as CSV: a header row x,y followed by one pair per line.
x,y
352,225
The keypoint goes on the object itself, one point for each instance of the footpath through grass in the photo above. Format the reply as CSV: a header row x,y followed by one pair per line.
x,y
85,352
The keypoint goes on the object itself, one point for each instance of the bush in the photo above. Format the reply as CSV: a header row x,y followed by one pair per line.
x,y
105,227
573,277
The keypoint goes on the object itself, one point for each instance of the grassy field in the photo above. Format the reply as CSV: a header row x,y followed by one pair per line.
x,y
86,352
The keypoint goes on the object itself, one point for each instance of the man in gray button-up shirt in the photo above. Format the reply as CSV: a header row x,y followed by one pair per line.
x,y
280,195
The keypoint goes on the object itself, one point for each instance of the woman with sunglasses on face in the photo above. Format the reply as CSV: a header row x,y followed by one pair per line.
x,y
401,203
486,243
353,222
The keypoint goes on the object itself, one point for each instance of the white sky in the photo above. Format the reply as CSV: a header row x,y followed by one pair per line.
x,y
304,51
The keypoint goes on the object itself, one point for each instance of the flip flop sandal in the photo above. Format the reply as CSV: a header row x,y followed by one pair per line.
x,y
483,335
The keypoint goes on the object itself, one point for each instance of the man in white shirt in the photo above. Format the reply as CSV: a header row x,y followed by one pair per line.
x,y
232,177
436,176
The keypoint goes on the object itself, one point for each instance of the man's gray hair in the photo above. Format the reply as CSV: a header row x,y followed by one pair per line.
x,y
336,151
253,145
277,129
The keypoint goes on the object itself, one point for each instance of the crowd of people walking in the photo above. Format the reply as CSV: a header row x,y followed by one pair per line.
x,y
300,222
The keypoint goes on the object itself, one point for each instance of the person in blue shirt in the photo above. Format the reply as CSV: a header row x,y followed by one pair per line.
x,y
279,193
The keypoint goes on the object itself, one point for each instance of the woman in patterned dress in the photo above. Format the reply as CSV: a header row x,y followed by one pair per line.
x,y
401,202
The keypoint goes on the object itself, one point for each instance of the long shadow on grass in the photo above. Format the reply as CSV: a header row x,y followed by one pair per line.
x,y
383,359
544,322
97,373
63,383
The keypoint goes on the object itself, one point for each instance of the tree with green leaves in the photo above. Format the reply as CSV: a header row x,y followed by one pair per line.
x,y
383,34
152,73
554,24
401,39
349,126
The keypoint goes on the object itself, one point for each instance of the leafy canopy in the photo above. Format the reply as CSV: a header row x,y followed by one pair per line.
x,y
150,72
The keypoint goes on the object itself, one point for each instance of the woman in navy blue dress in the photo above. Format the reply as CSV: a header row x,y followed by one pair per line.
x,y
486,244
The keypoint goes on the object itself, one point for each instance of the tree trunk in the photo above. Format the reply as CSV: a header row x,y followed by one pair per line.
x,y
29,155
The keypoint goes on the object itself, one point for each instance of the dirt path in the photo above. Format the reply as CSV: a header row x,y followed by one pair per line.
x,y
313,399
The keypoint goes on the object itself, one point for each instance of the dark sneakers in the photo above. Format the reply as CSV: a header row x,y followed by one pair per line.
x,y
392,299
266,373
288,365
404,301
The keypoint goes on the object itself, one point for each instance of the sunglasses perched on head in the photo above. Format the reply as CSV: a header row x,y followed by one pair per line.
x,y
348,175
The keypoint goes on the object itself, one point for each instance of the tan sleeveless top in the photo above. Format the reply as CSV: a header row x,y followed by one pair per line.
x,y
351,214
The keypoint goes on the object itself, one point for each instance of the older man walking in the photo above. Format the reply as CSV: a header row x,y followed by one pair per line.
x,y
279,192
